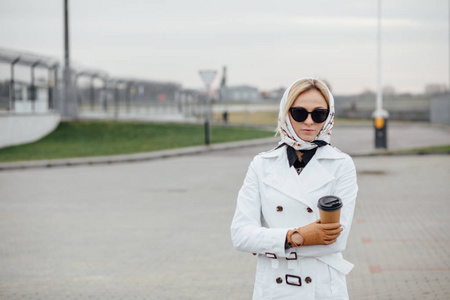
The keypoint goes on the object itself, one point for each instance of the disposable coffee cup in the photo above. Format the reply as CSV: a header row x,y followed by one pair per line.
x,y
330,209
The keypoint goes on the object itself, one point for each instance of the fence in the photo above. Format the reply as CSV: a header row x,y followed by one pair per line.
x,y
96,93
99,95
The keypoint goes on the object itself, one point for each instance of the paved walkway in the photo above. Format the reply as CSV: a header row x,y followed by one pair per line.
x,y
160,230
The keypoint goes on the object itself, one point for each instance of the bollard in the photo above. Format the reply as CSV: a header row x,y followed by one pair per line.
x,y
380,125
207,132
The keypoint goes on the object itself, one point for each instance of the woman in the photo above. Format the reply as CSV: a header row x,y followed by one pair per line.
x,y
276,215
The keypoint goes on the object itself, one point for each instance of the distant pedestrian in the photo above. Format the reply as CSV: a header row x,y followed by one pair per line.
x,y
277,217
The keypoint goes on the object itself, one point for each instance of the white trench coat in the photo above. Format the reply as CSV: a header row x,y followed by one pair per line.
x,y
274,199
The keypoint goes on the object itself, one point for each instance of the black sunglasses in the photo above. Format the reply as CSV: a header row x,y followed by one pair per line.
x,y
300,114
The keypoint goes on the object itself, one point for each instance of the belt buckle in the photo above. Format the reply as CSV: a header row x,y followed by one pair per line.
x,y
292,258
271,255
299,283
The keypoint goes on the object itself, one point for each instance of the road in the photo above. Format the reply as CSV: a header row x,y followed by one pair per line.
x,y
160,230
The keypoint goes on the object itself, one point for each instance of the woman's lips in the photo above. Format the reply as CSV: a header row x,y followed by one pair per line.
x,y
308,130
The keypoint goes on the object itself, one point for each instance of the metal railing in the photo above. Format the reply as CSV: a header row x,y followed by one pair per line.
x,y
33,61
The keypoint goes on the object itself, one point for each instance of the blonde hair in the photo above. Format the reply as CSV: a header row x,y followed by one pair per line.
x,y
296,90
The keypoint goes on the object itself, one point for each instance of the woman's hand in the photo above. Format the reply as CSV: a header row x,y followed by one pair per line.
x,y
315,233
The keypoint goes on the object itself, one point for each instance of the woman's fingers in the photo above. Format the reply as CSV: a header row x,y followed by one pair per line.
x,y
334,231
331,226
329,242
330,236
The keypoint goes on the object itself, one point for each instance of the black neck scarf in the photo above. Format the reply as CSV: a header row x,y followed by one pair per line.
x,y
306,154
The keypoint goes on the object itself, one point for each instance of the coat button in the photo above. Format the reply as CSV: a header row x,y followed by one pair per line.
x,y
279,208
308,279
279,280
309,210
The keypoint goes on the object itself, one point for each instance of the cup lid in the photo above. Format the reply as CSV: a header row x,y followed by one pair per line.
x,y
329,203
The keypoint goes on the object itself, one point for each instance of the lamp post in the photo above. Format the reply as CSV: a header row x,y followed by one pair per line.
x,y
223,84
69,107
380,115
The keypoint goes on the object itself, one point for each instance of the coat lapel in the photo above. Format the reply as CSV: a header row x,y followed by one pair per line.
x,y
315,175
285,179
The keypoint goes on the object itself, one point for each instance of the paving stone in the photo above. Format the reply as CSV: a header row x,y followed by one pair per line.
x,y
160,230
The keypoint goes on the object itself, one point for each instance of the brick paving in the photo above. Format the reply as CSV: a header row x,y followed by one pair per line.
x,y
160,230
400,241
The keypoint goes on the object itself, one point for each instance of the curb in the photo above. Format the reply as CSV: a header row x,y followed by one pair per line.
x,y
399,153
147,156
95,160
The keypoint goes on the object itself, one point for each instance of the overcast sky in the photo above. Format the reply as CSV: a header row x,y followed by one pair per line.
x,y
267,44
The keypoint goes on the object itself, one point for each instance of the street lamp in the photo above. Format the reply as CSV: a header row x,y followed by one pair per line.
x,y
69,107
380,115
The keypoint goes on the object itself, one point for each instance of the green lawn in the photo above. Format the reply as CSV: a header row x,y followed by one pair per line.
x,y
97,138
425,150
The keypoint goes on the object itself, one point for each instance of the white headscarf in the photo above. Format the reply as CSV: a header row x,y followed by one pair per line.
x,y
287,133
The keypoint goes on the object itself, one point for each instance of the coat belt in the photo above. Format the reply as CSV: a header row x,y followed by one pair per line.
x,y
336,262
333,260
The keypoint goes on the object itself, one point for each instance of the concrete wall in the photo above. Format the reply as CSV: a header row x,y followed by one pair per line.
x,y
408,108
16,129
440,110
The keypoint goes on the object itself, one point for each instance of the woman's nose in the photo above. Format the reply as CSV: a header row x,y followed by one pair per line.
x,y
309,120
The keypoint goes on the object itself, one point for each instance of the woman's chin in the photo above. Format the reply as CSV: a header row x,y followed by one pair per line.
x,y
308,138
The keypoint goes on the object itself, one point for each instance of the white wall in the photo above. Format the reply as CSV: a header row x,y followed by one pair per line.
x,y
16,129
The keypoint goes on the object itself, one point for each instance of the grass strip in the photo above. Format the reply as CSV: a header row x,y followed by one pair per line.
x,y
426,150
100,138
